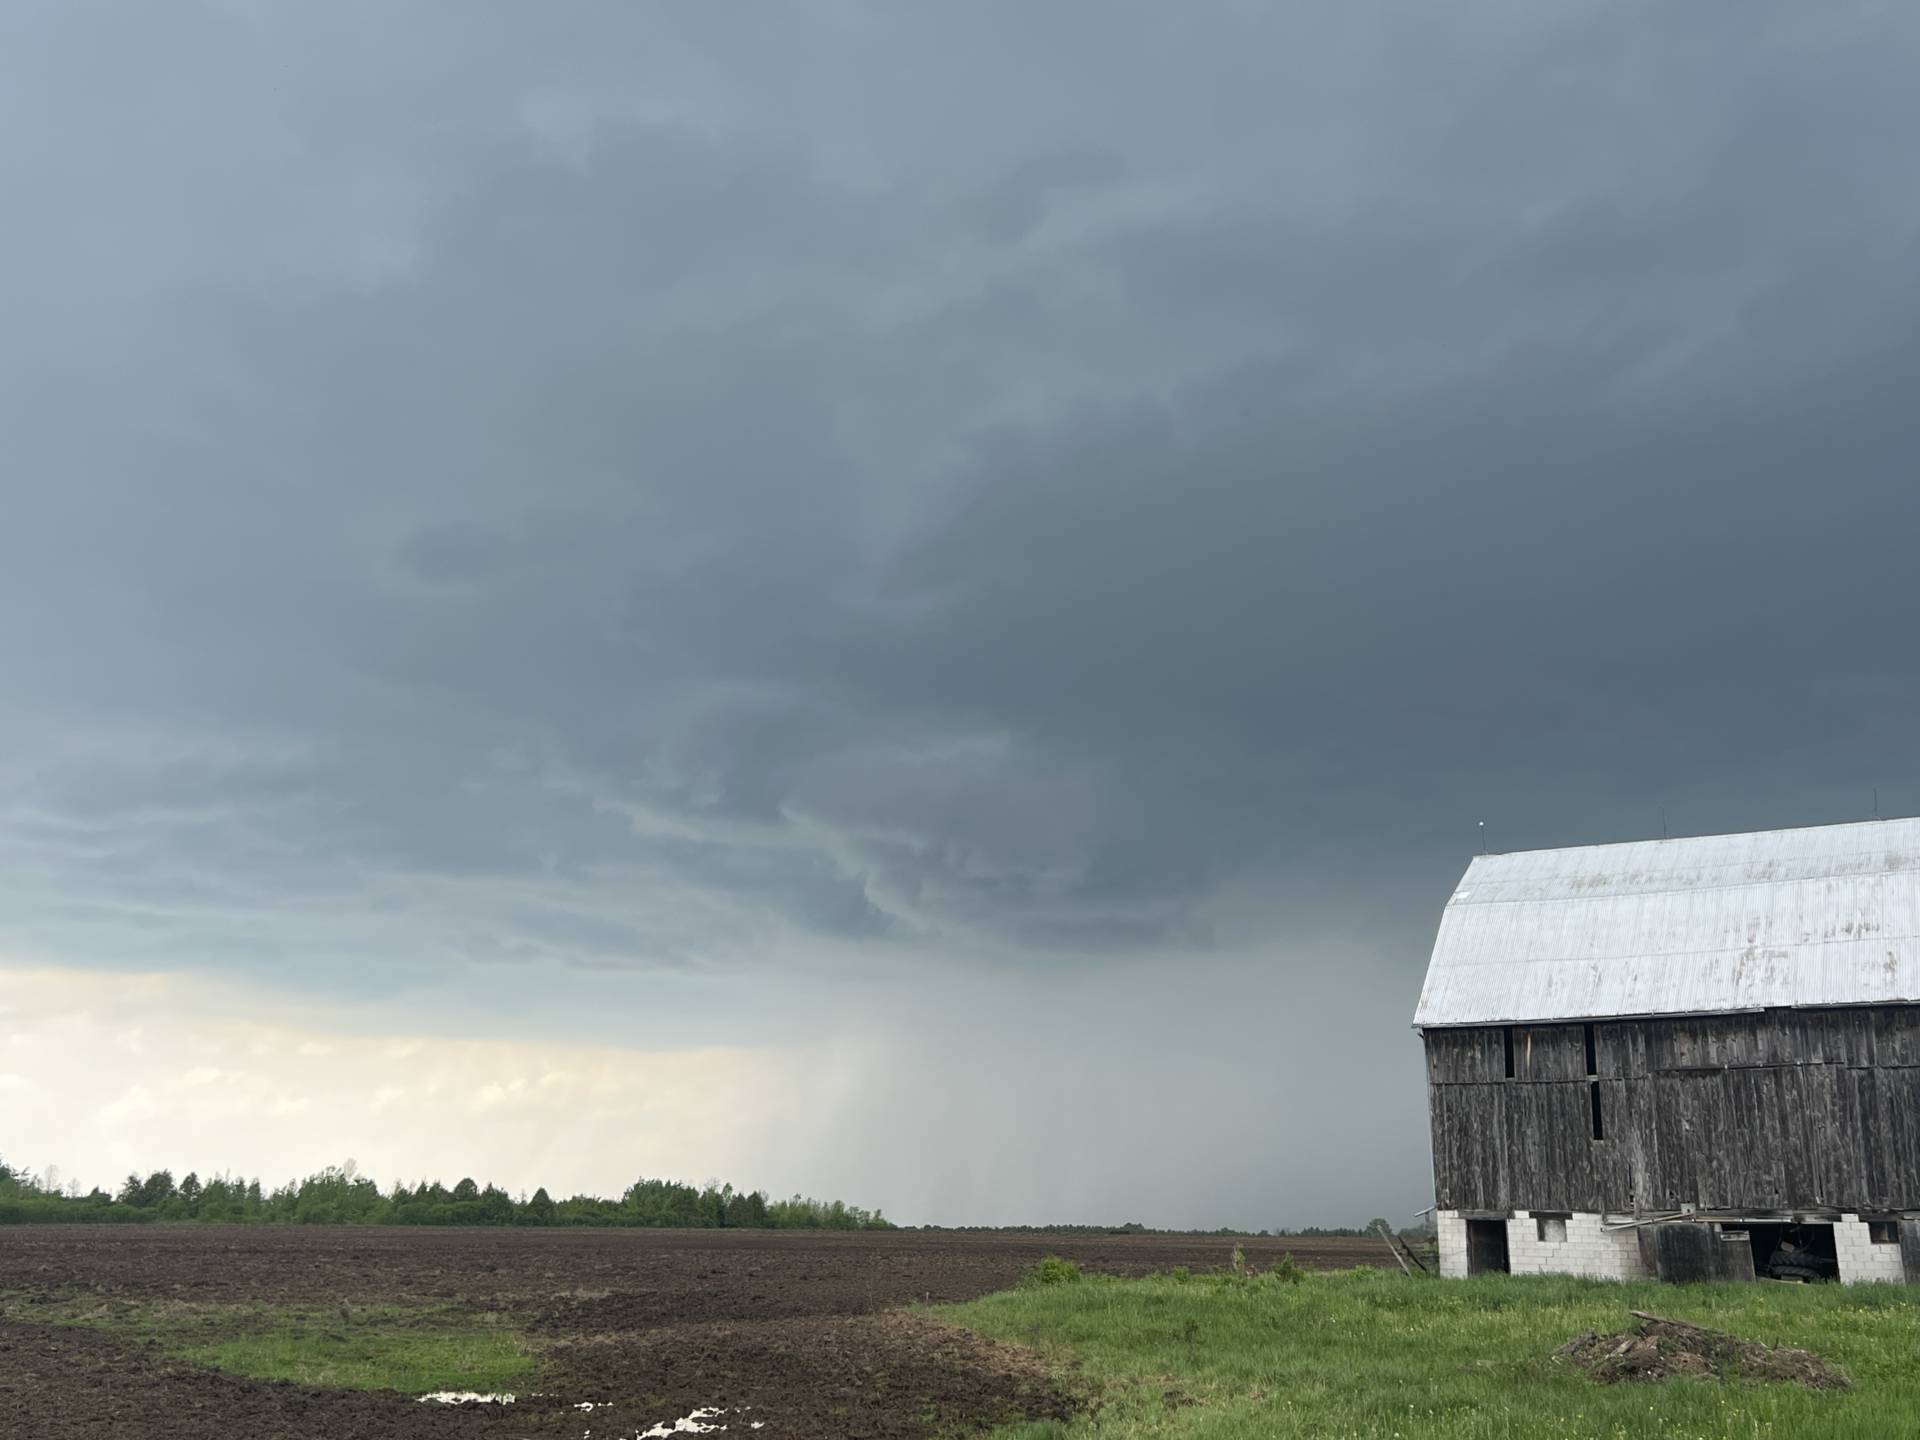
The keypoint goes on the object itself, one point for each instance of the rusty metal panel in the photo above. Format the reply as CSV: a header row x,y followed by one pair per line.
x,y
1824,916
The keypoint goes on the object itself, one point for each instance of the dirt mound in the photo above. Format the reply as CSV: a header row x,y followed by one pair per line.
x,y
1657,1348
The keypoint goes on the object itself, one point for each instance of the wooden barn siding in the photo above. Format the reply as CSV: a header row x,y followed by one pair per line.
x,y
1764,1112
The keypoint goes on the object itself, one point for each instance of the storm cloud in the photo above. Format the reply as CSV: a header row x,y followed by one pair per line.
x,y
1014,543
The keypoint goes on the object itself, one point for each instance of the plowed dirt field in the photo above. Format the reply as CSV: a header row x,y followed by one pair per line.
x,y
778,1334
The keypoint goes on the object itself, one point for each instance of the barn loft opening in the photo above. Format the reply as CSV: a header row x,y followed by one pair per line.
x,y
1508,1032
1487,1247
1592,1067
1593,1104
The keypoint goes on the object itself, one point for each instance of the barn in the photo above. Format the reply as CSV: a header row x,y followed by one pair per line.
x,y
1688,1058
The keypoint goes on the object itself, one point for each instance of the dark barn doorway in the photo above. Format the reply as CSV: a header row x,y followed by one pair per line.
x,y
1793,1252
1487,1247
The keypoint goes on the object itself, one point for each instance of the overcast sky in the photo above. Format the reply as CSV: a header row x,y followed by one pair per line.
x,y
919,602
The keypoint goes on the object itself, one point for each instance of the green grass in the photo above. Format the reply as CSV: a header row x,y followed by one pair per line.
x,y
413,1349
1380,1355
374,1356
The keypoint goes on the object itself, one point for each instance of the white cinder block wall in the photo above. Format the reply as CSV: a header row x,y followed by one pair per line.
x,y
1860,1259
1587,1250
1451,1234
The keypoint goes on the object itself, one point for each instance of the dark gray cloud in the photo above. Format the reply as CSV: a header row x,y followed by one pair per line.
x,y
849,500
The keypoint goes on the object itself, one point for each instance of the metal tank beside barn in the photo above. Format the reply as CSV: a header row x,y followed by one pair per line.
x,y
1692,1058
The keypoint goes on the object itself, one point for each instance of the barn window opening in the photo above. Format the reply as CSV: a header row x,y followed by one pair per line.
x,y
1884,1232
1508,1032
1550,1229
1592,1068
1593,1102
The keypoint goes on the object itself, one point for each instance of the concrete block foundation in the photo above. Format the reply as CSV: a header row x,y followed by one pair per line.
x,y
1553,1243
1556,1243
1862,1259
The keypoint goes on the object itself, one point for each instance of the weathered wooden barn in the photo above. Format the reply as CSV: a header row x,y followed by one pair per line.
x,y
1686,1058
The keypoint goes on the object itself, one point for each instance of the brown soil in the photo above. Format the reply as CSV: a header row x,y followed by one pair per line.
x,y
878,1375
64,1382
801,1333
1657,1348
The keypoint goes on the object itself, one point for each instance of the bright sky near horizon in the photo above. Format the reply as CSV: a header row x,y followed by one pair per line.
x,y
917,603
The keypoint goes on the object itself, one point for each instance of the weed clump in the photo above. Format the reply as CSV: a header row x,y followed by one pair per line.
x,y
1285,1272
1051,1271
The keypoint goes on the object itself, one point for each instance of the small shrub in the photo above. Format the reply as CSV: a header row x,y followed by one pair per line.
x,y
1180,1275
1051,1271
1286,1272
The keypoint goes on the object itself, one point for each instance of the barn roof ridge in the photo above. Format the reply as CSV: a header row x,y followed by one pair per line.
x,y
1703,835
1458,897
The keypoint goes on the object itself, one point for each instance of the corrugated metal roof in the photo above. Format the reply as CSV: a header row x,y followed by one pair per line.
x,y
1822,916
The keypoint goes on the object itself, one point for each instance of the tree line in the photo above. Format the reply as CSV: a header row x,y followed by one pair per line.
x,y
341,1195
1135,1227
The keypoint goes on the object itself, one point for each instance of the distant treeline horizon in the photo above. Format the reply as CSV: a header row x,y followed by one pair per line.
x,y
341,1195
1134,1227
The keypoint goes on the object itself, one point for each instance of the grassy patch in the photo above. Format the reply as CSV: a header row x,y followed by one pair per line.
x,y
1378,1355
372,1357
413,1349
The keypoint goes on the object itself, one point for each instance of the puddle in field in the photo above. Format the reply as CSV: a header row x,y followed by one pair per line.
x,y
693,1424
697,1422
465,1397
